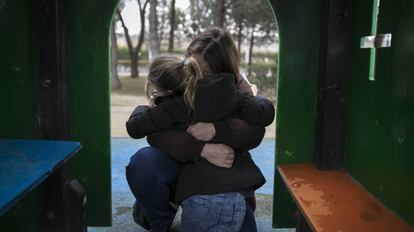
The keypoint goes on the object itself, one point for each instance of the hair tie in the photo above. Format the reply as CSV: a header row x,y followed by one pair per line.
x,y
182,62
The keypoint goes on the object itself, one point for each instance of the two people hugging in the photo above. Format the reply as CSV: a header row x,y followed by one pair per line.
x,y
202,120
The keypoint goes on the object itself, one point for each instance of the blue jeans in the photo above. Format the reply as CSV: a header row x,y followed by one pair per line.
x,y
213,213
152,177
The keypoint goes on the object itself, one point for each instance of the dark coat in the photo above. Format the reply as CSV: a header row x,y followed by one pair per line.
x,y
216,98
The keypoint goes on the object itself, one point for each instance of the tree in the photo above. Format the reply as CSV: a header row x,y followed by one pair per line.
x,y
180,33
172,27
201,17
134,52
220,13
115,82
153,30
239,16
161,26
254,18
249,63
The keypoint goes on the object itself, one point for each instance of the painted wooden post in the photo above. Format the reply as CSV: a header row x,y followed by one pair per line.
x,y
62,201
335,34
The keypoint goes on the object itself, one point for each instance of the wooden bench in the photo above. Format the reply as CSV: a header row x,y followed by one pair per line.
x,y
24,164
333,201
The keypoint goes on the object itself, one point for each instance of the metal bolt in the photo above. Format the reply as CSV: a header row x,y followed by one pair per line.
x,y
343,15
17,70
47,83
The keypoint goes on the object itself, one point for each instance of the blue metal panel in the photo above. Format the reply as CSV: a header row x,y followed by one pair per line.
x,y
24,164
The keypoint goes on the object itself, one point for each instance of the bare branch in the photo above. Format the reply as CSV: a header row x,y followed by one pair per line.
x,y
126,32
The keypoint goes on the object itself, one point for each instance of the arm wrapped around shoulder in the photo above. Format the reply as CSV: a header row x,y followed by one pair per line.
x,y
180,145
256,110
145,120
238,134
140,123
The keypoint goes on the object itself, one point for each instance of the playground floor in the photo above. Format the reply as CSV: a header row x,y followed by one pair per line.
x,y
122,198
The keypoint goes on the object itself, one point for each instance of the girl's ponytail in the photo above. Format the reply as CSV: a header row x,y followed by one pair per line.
x,y
193,75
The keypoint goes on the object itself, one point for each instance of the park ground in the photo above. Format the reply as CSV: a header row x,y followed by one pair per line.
x,y
122,103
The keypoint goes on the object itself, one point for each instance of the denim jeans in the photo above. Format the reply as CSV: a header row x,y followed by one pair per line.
x,y
152,177
213,213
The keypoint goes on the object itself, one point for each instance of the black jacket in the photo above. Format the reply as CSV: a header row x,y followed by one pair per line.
x,y
217,98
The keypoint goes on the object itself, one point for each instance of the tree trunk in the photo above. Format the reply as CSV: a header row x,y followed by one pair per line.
x,y
251,51
137,50
115,82
219,16
172,27
161,29
239,36
153,30
135,54
134,73
134,64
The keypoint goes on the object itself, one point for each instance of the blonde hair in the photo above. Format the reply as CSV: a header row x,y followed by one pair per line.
x,y
171,74
193,75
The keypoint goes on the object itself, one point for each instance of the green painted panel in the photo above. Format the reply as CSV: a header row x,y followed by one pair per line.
x,y
89,105
88,58
17,72
17,101
298,23
380,125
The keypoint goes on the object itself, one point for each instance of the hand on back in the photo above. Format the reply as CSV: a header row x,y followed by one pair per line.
x,y
220,155
202,131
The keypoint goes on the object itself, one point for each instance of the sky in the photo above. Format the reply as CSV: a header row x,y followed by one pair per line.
x,y
130,14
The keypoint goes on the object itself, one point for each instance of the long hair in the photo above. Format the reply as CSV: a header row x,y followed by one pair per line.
x,y
170,73
166,76
193,75
216,47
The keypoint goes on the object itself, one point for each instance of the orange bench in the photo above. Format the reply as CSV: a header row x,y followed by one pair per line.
x,y
333,201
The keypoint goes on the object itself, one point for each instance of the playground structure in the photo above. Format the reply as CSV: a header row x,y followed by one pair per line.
x,y
345,104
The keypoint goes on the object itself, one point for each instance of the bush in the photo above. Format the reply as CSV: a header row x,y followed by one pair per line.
x,y
261,65
128,62
270,55
264,75
176,50
123,53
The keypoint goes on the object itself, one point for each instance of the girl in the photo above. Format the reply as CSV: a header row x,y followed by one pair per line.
x,y
175,84
152,175
185,96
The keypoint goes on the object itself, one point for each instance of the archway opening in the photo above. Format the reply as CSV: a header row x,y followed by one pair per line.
x,y
257,40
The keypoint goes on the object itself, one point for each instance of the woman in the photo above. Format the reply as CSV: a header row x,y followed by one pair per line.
x,y
152,174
